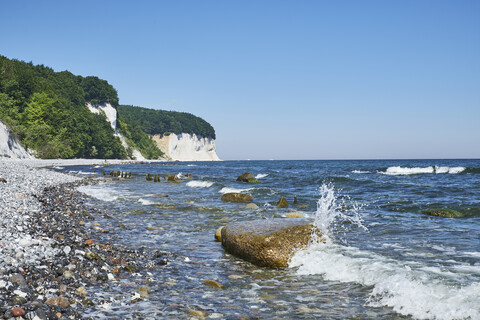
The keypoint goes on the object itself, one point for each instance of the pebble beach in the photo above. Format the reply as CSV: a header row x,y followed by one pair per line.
x,y
51,255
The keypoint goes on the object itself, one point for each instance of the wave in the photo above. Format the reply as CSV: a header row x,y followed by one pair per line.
x,y
472,170
407,287
360,171
80,172
199,184
146,202
401,171
230,190
407,291
261,175
100,193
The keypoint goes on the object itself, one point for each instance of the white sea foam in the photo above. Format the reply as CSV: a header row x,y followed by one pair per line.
x,y
405,286
230,190
146,202
451,170
399,171
360,171
99,192
199,184
261,175
58,168
180,176
473,254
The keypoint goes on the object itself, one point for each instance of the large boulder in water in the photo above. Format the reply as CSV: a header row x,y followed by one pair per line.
x,y
247,177
267,243
449,213
237,197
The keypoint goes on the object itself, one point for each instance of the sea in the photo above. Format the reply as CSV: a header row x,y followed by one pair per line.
x,y
382,257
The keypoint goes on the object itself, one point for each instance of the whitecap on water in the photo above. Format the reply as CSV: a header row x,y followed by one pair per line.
x,y
100,193
261,175
402,171
230,190
146,202
199,184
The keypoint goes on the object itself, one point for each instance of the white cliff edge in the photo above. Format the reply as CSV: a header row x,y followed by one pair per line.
x,y
186,147
111,114
9,147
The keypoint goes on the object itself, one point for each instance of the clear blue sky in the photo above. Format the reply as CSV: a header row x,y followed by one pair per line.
x,y
278,79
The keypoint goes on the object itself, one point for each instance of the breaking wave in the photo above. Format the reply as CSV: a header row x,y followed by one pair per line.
x,y
199,184
100,193
230,190
401,171
405,286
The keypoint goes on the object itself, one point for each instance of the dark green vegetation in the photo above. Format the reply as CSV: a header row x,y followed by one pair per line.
x,y
138,139
164,122
46,111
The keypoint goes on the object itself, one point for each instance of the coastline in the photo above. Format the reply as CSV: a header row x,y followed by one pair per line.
x,y
43,163
52,257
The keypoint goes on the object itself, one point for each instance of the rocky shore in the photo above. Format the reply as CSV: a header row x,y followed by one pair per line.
x,y
52,257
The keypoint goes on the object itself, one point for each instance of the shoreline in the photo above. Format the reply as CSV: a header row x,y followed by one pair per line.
x,y
46,163
53,256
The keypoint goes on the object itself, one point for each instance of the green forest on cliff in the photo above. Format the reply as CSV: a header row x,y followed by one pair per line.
x,y
47,113
163,122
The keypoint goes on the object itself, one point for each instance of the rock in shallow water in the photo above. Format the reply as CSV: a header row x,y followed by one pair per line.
x,y
236,197
267,243
245,177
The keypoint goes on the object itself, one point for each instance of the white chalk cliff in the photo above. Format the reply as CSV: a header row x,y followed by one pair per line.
x,y
111,114
186,147
9,147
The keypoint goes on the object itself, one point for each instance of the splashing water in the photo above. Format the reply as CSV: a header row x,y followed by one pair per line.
x,y
331,216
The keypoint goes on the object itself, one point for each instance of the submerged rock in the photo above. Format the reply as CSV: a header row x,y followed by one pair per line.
x,y
267,243
163,195
251,206
295,214
448,213
237,197
212,283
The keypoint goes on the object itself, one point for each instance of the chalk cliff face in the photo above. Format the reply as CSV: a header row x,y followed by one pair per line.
x,y
9,147
111,114
186,147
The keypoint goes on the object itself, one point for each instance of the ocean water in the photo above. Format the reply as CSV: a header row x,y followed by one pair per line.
x,y
382,259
